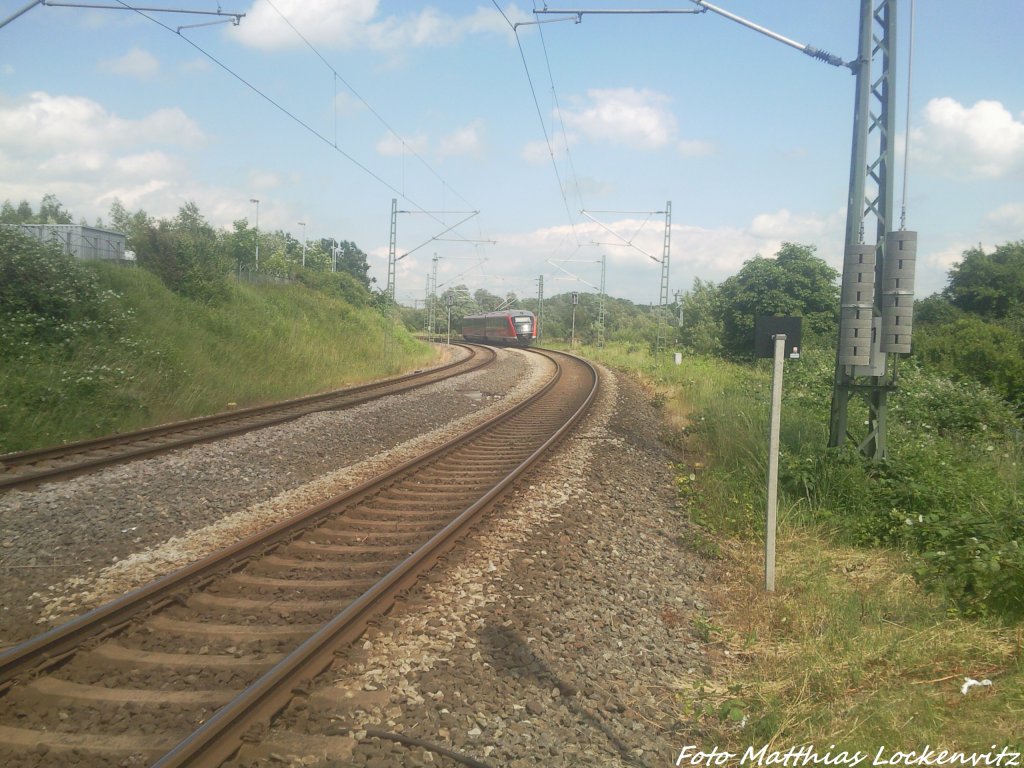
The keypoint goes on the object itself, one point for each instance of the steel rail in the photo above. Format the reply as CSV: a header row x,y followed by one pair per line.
x,y
219,737
60,642
351,397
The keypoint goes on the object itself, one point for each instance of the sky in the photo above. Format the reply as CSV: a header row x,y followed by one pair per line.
x,y
515,149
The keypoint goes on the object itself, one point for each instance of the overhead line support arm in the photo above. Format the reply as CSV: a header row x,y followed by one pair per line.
x,y
810,50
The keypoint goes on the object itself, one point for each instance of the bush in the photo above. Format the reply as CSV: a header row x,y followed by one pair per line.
x,y
969,348
947,494
39,280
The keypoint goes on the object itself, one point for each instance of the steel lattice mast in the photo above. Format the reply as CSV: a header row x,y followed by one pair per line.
x,y
663,295
540,307
872,165
391,250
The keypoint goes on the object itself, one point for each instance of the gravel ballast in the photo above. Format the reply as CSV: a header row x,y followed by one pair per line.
x,y
69,546
564,631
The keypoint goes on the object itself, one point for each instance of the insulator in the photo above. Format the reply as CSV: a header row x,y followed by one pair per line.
x,y
858,290
855,338
898,291
856,304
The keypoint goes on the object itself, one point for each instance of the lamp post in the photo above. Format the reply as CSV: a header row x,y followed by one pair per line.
x,y
254,200
303,225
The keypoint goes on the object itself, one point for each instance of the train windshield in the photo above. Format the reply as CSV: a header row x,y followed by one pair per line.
x,y
522,322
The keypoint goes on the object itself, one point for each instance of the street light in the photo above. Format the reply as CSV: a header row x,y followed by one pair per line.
x,y
303,225
254,200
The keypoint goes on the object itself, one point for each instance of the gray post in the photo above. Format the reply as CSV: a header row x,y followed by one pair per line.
x,y
773,464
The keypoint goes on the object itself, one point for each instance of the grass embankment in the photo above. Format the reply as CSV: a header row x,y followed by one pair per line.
x,y
884,604
144,355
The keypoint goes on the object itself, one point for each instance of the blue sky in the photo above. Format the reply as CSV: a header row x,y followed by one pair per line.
x,y
432,104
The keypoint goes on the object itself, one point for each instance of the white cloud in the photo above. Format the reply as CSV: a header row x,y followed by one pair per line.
x,y
355,23
134,196
784,226
535,152
74,148
636,118
146,164
695,148
74,162
197,64
1008,218
136,63
392,145
539,153
933,267
465,140
51,124
264,180
980,141
338,22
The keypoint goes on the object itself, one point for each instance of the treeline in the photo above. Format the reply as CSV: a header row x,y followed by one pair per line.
x,y
971,331
195,260
974,329
710,319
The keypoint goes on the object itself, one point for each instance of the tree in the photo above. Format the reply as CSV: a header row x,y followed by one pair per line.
x,y
185,254
351,259
970,347
486,300
701,327
794,283
8,214
51,211
132,225
238,245
990,285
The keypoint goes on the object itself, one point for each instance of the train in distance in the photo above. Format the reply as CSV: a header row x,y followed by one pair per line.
x,y
517,327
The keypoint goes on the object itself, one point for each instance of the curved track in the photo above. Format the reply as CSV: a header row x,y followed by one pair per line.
x,y
177,672
63,461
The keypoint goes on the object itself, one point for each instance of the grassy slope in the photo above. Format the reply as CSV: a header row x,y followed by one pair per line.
x,y
173,358
850,650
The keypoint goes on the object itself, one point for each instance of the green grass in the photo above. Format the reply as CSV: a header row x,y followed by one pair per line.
x,y
160,357
867,639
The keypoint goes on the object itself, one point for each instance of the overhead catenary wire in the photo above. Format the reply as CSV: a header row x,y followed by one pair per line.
x,y
540,116
561,120
284,110
338,76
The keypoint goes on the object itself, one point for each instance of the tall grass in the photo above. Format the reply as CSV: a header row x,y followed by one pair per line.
x,y
160,357
896,581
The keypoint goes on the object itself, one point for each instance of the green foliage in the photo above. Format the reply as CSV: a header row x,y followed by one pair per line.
x,y
338,284
65,355
352,259
184,253
51,211
794,283
947,494
148,355
990,285
968,347
42,285
701,329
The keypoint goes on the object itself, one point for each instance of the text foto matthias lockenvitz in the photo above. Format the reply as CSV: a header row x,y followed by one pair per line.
x,y
809,755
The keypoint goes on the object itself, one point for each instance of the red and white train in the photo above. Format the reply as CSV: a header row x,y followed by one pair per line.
x,y
510,326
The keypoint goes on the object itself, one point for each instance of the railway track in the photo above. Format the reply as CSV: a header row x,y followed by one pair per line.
x,y
60,462
177,672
